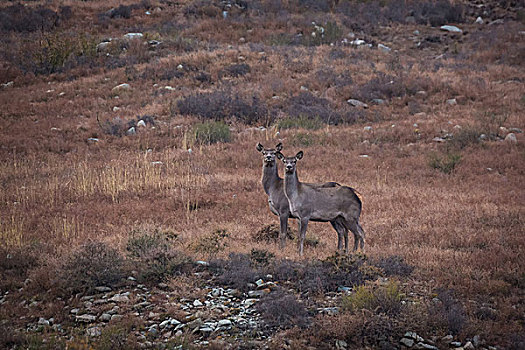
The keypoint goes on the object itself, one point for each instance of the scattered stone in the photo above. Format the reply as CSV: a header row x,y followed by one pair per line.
x,y
8,84
378,101
103,289
162,285
157,162
407,342
455,344
357,103
225,323
438,139
131,131
131,278
197,303
43,322
424,346
202,263
258,293
105,317
383,48
452,102
476,340
497,22
87,318
131,36
516,130
93,332
341,344
469,346
119,298
511,138
447,339
122,87
451,29
141,123
116,317
479,20
416,32
414,335
357,42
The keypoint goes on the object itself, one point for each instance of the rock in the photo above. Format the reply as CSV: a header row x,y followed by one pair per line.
x,y
341,344
102,46
74,311
410,20
378,101
153,330
438,139
357,42
116,109
258,293
451,29
93,332
497,22
476,340
104,317
516,130
407,342
357,103
43,322
131,36
383,48
415,32
8,84
161,285
103,289
141,123
122,87
455,344
343,289
131,131
225,323
511,138
424,346
469,346
479,20
447,339
119,298
87,318
154,43
116,317
202,263
452,102
414,336
197,303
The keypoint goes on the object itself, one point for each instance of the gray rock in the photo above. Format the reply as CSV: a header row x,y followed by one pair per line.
x,y
103,46
257,293
455,344
424,346
367,128
8,84
378,101
116,317
438,139
94,332
476,340
105,317
92,140
74,311
516,130
131,36
197,303
407,342
341,344
383,48
202,263
451,29
447,338
224,323
43,322
416,32
414,336
452,102
511,138
122,87
141,123
479,20
357,103
497,22
87,318
131,131
119,298
468,346
131,278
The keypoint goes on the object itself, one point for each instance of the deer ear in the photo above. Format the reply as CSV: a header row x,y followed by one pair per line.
x,y
299,155
279,147
259,147
279,155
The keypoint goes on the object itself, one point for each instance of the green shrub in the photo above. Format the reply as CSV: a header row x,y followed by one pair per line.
x,y
384,298
446,163
304,139
300,122
211,132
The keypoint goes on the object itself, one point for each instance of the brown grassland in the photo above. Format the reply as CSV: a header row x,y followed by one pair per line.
x,y
71,174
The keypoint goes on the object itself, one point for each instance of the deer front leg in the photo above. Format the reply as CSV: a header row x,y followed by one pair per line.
x,y
339,229
303,223
284,230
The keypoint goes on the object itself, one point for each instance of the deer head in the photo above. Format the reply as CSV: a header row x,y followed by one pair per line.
x,y
290,162
269,154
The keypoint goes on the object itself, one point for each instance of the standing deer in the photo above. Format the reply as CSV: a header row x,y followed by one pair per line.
x,y
310,203
274,187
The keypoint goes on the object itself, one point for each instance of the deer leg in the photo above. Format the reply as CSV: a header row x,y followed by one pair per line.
x,y
284,230
303,223
339,229
352,226
362,237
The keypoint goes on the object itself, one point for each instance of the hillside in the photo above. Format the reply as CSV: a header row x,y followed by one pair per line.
x,y
132,213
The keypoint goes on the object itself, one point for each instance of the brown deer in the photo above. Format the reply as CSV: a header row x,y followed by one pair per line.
x,y
274,187
310,203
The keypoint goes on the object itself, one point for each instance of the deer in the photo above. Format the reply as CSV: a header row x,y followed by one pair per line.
x,y
311,203
273,185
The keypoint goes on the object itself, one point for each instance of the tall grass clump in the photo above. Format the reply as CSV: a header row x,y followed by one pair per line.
x,y
211,132
300,122
444,163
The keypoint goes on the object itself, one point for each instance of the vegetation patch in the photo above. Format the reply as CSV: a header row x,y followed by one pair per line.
x,y
211,132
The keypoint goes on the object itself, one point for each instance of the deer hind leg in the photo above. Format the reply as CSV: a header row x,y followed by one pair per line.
x,y
353,226
342,232
362,237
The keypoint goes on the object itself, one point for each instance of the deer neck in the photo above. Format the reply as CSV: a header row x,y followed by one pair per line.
x,y
291,185
270,178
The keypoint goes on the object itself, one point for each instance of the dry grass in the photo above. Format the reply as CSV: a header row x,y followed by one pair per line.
x,y
461,231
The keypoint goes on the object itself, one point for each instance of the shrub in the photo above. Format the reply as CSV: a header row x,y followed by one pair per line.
x,y
384,298
270,233
235,70
154,255
122,11
221,105
15,265
437,13
26,19
304,139
212,243
446,163
280,309
119,336
211,132
261,257
93,264
237,271
448,309
300,122
465,137
394,266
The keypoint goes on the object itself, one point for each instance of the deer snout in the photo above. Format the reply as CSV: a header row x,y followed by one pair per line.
x,y
268,158
289,167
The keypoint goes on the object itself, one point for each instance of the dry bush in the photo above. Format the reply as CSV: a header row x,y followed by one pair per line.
x,y
393,266
306,105
92,264
15,266
270,233
238,271
283,310
154,257
379,299
22,18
